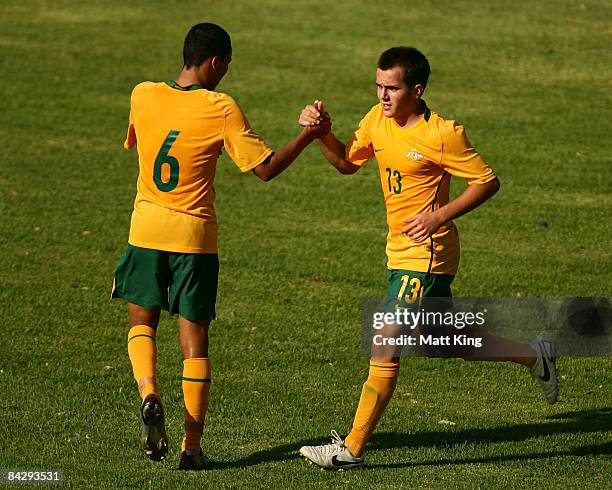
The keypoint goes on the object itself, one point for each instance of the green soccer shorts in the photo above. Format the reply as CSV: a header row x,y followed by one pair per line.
x,y
407,289
180,283
429,293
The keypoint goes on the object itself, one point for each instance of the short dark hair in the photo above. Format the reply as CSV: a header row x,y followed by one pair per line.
x,y
415,65
204,41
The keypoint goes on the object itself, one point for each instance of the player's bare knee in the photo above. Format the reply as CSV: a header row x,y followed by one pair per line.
x,y
140,315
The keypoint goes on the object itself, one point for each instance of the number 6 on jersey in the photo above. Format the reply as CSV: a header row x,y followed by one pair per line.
x,y
163,157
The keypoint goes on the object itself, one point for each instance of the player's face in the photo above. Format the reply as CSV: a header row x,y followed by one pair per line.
x,y
397,98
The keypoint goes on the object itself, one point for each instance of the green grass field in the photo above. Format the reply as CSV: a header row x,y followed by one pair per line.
x,y
530,81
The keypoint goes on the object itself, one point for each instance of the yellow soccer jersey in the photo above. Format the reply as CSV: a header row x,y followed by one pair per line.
x,y
415,167
179,135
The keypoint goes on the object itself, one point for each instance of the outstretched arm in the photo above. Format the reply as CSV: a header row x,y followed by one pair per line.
x,y
283,157
421,226
331,147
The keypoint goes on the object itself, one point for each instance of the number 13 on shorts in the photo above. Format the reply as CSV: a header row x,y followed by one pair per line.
x,y
414,293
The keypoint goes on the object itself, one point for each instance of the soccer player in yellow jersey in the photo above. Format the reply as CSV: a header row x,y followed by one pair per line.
x,y
417,153
179,128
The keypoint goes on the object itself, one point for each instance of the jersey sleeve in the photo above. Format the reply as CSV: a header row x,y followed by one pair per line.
x,y
245,147
359,148
460,158
130,138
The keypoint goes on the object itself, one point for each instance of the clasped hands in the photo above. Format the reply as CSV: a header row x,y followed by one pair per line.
x,y
315,120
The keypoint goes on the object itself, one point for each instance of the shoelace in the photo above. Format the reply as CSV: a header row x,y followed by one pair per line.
x,y
336,443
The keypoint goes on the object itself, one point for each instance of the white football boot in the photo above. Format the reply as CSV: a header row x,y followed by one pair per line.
x,y
334,456
545,369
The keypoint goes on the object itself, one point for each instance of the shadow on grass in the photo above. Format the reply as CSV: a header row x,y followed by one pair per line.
x,y
585,421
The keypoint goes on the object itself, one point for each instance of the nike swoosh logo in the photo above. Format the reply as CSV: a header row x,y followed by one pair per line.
x,y
337,462
546,376
376,151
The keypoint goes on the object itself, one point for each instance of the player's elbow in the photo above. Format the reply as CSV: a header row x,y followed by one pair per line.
x,y
495,186
347,168
262,174
263,171
265,176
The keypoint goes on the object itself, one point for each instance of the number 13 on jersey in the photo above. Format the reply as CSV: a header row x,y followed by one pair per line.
x,y
394,180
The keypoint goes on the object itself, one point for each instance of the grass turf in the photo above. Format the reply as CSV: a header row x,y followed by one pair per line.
x,y
530,82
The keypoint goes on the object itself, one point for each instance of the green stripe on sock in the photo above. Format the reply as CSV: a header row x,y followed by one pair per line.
x,y
196,380
141,335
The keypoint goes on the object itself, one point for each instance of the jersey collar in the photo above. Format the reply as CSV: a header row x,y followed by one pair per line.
x,y
175,85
